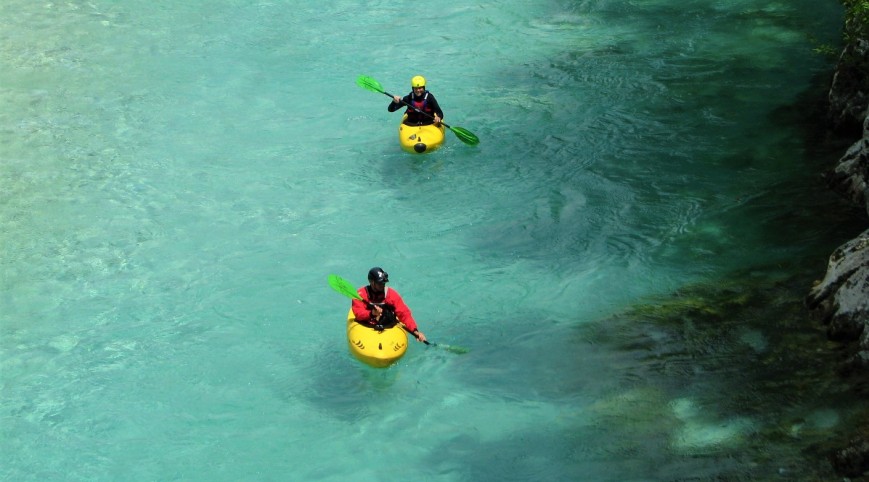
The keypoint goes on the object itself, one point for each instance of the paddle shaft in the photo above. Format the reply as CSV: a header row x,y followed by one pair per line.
x,y
417,110
345,288
463,134
414,335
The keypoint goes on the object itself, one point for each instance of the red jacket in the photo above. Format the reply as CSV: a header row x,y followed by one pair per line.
x,y
402,312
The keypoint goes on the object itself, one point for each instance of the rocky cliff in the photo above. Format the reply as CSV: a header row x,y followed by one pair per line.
x,y
842,297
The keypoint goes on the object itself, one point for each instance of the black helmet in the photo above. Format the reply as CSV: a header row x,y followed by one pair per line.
x,y
378,275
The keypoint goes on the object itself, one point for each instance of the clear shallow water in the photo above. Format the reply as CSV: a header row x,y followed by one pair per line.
x,y
178,181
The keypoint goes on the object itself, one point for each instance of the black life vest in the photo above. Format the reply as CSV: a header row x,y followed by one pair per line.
x,y
387,318
421,104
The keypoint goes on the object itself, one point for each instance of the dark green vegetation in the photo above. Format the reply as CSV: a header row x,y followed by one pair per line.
x,y
853,69
856,20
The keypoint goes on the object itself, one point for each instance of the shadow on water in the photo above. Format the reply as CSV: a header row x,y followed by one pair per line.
x,y
743,368
344,388
588,454
725,381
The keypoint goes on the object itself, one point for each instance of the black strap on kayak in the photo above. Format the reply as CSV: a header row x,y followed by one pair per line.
x,y
387,316
388,319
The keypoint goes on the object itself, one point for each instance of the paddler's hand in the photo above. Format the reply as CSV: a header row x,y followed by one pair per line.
x,y
396,99
437,120
376,311
420,336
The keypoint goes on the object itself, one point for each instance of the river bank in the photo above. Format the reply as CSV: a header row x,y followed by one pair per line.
x,y
840,300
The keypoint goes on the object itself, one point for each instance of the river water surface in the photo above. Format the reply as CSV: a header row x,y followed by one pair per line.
x,y
178,179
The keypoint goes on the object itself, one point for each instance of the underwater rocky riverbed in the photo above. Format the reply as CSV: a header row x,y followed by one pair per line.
x,y
773,397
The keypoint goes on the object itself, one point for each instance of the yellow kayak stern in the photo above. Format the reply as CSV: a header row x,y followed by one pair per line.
x,y
420,139
376,348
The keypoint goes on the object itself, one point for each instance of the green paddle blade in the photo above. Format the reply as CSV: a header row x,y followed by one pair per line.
x,y
452,348
465,136
343,286
368,83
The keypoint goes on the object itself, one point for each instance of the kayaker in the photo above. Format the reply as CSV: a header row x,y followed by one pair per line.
x,y
423,100
389,306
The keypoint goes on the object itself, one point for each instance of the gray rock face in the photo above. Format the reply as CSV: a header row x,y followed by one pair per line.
x,y
842,297
850,177
849,96
852,460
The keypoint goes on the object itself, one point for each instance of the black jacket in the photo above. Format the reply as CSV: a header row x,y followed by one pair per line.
x,y
425,102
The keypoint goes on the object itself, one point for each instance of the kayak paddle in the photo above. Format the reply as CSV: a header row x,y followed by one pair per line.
x,y
344,287
464,135
450,348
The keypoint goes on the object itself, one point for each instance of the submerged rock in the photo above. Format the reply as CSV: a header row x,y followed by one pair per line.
x,y
711,436
853,460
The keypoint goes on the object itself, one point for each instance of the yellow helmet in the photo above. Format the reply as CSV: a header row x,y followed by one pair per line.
x,y
418,81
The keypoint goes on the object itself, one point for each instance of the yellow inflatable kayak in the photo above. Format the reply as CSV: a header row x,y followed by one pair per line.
x,y
376,348
420,139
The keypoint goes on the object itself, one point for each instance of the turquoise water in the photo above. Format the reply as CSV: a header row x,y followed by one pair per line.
x,y
179,180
